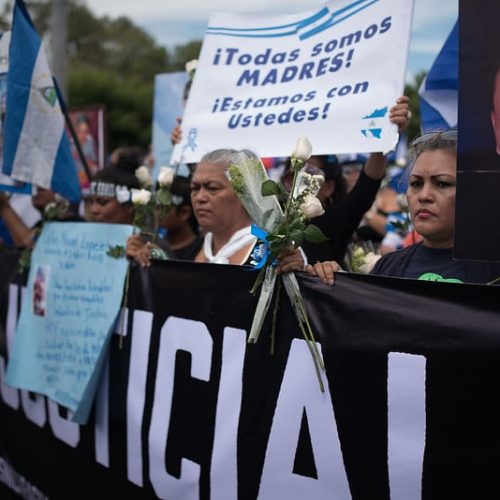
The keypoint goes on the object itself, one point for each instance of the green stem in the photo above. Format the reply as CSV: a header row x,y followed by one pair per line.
x,y
311,333
296,166
124,305
312,349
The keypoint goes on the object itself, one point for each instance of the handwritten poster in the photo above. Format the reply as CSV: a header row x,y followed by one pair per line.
x,y
330,74
72,299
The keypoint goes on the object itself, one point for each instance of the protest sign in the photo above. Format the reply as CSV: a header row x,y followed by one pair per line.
x,y
330,75
168,105
73,297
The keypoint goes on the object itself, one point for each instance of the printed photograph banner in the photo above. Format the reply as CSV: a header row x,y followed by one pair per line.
x,y
330,75
477,228
72,300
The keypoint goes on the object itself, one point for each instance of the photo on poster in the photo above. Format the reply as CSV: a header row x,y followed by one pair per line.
x,y
478,163
89,126
40,286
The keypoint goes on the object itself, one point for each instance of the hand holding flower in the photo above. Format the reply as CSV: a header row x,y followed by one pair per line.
x,y
290,259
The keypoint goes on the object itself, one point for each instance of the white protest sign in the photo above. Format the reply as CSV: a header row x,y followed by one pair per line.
x,y
330,74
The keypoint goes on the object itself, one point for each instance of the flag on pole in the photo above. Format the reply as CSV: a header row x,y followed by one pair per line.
x,y
36,148
439,89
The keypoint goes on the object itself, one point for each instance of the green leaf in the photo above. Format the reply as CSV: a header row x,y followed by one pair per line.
x,y
164,197
276,246
297,225
117,251
297,237
270,187
314,234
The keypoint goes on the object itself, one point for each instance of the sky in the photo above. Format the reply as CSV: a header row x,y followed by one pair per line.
x,y
174,22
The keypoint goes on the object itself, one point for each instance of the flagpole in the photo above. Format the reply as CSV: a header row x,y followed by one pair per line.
x,y
72,131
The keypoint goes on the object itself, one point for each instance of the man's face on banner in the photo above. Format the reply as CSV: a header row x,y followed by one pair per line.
x,y
495,113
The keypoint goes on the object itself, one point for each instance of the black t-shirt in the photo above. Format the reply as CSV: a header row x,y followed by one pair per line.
x,y
339,222
435,264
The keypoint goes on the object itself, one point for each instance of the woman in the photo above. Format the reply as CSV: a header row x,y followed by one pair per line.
x,y
182,241
222,217
457,371
431,202
110,190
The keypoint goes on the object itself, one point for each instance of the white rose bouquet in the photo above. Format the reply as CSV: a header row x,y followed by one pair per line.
x,y
151,206
280,218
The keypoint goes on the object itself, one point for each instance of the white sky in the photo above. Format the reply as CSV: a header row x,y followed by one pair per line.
x,y
173,22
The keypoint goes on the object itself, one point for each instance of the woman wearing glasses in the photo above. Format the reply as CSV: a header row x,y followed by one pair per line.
x,y
431,202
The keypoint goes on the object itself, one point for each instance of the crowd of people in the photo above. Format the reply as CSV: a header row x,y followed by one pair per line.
x,y
363,207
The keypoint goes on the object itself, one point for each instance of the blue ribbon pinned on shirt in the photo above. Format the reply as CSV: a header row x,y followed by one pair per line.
x,y
261,252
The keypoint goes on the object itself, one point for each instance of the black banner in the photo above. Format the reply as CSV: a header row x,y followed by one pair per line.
x,y
187,409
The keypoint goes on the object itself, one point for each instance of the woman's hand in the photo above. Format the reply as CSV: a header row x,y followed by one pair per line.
x,y
176,134
400,114
325,271
138,250
290,259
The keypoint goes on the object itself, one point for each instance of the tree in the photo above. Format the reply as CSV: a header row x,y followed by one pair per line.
x,y
411,90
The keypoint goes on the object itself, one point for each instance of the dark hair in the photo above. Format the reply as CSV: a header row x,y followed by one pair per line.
x,y
122,173
332,171
431,141
181,197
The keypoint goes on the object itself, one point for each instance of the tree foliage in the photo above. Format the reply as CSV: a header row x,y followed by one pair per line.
x,y
411,90
112,62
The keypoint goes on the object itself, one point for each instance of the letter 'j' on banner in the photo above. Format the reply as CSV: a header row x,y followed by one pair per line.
x,y
331,74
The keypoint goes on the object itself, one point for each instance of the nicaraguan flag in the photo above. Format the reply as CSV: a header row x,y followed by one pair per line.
x,y
439,89
36,148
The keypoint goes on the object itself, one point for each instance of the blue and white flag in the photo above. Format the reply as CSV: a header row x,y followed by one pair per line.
x,y
36,148
439,89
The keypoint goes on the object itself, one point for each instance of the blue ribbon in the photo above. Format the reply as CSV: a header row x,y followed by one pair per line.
x,y
261,251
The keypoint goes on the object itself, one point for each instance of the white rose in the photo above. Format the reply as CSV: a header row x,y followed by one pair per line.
x,y
303,149
140,196
312,207
142,173
191,66
369,263
166,176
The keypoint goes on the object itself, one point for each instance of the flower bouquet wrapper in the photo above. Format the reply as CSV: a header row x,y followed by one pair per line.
x,y
267,214
265,298
247,179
